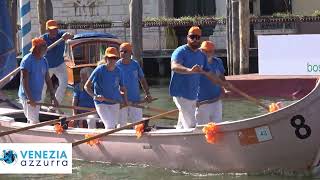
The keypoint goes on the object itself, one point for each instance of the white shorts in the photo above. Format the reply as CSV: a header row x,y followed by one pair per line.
x,y
31,113
209,113
109,114
187,110
130,114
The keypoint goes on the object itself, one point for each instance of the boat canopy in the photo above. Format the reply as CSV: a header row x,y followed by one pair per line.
x,y
94,35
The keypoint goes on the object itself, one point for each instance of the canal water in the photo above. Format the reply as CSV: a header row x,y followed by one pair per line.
x,y
234,109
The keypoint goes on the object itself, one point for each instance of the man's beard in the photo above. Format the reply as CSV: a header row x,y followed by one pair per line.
x,y
194,45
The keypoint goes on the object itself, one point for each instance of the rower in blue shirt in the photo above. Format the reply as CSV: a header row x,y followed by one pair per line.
x,y
82,99
132,75
55,58
34,72
187,64
104,85
210,105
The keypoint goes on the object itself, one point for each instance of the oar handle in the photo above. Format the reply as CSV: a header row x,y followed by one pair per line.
x,y
66,107
46,123
85,108
122,128
55,43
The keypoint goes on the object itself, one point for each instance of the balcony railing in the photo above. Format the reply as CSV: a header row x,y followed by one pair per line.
x,y
276,28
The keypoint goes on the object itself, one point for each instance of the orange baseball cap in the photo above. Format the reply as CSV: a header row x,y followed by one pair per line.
x,y
51,24
207,46
195,30
126,46
112,52
37,42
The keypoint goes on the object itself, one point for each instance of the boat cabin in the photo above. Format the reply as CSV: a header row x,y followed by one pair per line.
x,y
85,50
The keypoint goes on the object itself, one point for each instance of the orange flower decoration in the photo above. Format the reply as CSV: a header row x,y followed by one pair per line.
x,y
210,131
273,107
139,130
58,128
92,142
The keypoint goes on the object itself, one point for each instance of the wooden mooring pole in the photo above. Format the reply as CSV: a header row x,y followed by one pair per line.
x,y
244,16
135,10
235,37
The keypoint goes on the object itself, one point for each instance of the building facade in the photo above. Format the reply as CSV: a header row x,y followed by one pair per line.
x,y
117,11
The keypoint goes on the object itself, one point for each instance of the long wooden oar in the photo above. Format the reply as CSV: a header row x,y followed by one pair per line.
x,y
167,117
11,75
66,107
229,86
121,128
90,109
157,110
256,101
46,123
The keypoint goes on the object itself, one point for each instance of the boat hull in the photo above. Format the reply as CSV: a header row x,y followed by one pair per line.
x,y
188,149
287,139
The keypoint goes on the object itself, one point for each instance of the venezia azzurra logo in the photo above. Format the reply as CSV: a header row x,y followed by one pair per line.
x,y
8,157
35,158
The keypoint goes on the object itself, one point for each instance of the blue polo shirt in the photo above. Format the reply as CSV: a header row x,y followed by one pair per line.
x,y
132,73
107,83
208,90
37,69
187,85
84,99
54,56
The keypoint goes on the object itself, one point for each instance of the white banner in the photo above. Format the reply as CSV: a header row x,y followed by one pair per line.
x,y
35,158
289,54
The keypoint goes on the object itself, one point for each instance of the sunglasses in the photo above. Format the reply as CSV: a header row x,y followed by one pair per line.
x,y
194,37
113,58
123,51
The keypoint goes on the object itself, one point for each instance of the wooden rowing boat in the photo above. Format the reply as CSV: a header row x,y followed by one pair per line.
x,y
287,139
85,50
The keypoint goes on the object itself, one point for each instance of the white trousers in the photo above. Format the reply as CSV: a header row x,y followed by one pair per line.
x,y
109,114
31,113
91,121
209,113
130,114
61,73
187,110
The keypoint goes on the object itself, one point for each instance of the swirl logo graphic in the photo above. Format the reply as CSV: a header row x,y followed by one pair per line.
x,y
8,157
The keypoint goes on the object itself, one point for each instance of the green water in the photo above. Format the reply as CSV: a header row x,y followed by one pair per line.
x,y
233,109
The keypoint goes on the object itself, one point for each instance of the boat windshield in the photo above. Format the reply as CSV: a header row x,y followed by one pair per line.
x,y
79,54
91,52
